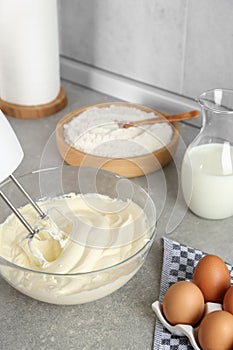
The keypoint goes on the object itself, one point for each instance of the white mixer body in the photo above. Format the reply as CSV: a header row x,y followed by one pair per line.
x,y
11,153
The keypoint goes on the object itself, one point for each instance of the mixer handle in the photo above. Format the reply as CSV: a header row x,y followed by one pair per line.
x,y
11,153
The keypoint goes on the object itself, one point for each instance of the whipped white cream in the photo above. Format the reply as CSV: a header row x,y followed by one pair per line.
x,y
105,232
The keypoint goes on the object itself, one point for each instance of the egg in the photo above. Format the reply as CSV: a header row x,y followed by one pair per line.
x,y
211,275
183,303
228,300
216,331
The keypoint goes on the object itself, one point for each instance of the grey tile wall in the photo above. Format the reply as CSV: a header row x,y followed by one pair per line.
x,y
209,46
185,46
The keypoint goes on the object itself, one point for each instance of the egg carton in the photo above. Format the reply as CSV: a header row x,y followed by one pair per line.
x,y
184,329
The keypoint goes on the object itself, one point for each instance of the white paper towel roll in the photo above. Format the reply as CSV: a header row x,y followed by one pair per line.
x,y
29,51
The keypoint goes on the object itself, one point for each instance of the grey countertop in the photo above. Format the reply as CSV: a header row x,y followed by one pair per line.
x,y
124,319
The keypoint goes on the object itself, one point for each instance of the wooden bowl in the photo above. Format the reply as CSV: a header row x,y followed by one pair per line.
x,y
128,167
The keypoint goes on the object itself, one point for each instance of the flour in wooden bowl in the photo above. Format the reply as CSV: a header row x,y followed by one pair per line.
x,y
98,131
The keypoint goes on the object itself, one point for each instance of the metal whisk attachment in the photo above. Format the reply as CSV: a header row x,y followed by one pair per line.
x,y
11,155
45,223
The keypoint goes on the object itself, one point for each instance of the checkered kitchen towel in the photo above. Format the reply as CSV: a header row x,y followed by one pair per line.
x,y
179,262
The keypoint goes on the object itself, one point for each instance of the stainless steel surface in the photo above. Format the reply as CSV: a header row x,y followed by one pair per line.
x,y
124,319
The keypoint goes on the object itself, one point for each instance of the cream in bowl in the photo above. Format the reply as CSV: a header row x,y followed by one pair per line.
x,y
112,232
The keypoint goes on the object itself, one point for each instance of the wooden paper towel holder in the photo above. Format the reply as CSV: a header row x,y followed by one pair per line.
x,y
38,111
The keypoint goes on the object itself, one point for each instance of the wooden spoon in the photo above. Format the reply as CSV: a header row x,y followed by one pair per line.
x,y
163,119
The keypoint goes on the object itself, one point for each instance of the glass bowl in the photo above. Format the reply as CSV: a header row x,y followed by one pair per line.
x,y
81,287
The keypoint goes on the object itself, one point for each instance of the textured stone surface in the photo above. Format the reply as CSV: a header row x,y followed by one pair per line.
x,y
182,46
137,39
123,320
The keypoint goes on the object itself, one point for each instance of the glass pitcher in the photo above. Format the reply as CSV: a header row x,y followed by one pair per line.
x,y
207,168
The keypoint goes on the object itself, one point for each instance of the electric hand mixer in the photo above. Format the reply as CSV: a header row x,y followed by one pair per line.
x,y
11,155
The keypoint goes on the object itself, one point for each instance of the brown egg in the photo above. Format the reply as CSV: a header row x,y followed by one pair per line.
x,y
183,303
216,331
228,300
211,275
